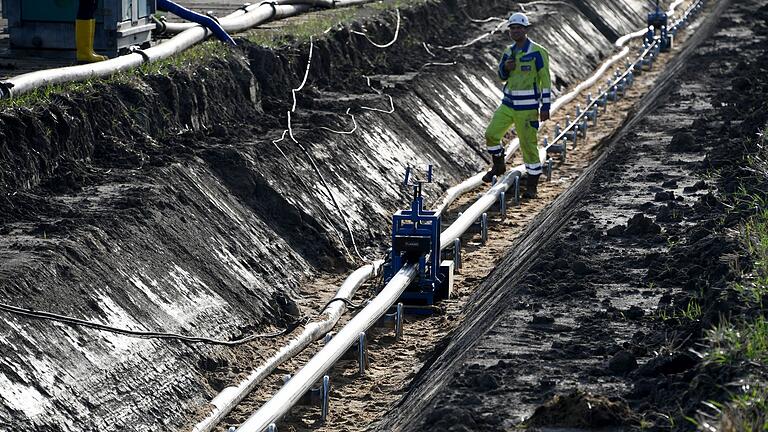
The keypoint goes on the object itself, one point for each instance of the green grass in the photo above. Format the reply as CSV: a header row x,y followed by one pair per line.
x,y
300,29
393,4
43,95
742,342
187,59
295,30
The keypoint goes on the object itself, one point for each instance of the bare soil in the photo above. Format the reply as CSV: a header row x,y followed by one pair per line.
x,y
599,332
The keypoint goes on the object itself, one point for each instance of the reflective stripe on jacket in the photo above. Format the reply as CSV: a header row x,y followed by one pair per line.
x,y
528,84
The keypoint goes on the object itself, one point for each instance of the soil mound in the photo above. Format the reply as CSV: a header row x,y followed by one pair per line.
x,y
582,410
684,142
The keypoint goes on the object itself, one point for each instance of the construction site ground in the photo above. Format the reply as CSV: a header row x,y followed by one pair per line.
x,y
582,311
359,402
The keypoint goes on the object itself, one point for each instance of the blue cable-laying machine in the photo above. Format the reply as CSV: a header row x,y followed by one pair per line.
x,y
50,24
416,240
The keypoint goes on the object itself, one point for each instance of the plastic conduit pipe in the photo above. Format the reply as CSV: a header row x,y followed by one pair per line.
x,y
228,398
179,27
318,365
476,180
254,16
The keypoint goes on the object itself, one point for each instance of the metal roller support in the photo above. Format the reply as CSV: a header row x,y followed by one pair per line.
x,y
325,400
457,255
484,228
571,131
517,191
549,166
399,311
503,205
362,353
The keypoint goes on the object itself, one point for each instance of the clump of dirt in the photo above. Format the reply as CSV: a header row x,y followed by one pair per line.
x,y
583,410
684,142
638,225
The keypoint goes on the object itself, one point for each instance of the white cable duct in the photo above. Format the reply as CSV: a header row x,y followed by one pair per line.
x,y
173,28
476,180
454,192
319,365
312,372
475,211
623,40
228,398
29,81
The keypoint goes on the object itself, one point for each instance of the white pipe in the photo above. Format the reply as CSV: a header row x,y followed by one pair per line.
x,y
228,398
476,180
174,27
191,34
473,213
319,365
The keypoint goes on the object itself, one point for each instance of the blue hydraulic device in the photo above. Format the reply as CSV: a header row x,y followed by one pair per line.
x,y
50,25
416,239
657,27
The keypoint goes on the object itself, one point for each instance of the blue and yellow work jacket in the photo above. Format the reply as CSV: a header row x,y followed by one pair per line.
x,y
528,84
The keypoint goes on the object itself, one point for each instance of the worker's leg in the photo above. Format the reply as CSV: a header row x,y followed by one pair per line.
x,y
527,128
85,30
502,120
500,123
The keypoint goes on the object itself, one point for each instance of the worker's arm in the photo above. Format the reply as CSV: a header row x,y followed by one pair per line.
x,y
203,20
544,82
506,64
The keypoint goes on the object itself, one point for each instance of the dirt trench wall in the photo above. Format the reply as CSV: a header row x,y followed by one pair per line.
x,y
162,203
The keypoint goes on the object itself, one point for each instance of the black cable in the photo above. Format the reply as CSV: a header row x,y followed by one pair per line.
x,y
347,302
30,313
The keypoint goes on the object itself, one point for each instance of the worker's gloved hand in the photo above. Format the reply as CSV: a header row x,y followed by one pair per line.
x,y
509,65
543,116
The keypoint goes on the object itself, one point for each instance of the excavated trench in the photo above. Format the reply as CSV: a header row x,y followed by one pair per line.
x,y
597,328
169,201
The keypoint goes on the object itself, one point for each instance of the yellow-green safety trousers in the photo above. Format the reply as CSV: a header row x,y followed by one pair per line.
x,y
526,126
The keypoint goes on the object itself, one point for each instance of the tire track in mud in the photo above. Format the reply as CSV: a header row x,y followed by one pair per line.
x,y
594,334
358,402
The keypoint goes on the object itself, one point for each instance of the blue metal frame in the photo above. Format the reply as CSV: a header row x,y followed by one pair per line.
x,y
416,238
658,19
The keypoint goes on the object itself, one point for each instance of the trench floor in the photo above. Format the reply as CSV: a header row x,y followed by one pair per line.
x,y
359,402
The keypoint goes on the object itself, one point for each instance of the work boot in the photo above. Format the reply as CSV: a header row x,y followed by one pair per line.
x,y
85,32
498,168
531,185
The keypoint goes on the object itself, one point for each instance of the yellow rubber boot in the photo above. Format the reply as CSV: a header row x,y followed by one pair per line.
x,y
85,31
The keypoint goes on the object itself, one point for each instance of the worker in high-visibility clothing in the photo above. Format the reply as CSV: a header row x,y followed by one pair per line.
x,y
527,93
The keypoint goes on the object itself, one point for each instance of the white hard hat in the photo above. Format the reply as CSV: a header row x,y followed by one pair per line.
x,y
518,19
